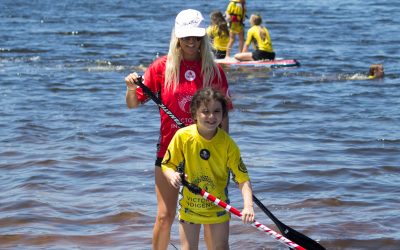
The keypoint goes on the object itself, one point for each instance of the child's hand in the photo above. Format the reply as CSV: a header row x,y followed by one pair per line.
x,y
248,214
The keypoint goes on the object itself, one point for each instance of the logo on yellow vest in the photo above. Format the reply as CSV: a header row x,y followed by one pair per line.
x,y
205,154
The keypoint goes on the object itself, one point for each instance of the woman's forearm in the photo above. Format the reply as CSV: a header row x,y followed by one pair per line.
x,y
131,98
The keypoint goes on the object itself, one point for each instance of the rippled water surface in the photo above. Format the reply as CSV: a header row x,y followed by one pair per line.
x,y
321,143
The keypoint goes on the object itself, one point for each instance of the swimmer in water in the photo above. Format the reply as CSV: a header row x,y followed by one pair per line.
x,y
376,71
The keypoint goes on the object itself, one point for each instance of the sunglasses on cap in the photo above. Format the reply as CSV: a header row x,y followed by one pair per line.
x,y
188,38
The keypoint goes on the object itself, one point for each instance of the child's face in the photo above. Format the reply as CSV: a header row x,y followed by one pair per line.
x,y
209,117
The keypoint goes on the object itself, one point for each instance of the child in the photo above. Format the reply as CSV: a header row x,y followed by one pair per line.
x,y
235,15
219,34
376,71
208,155
259,35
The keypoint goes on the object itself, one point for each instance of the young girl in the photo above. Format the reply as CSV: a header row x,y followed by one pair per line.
x,y
219,34
235,15
208,155
258,35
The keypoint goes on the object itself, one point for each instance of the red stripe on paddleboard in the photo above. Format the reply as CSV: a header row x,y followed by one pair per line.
x,y
273,63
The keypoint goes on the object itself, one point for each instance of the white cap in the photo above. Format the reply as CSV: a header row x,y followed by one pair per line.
x,y
189,23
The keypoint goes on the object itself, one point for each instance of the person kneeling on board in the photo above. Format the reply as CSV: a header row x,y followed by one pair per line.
x,y
259,36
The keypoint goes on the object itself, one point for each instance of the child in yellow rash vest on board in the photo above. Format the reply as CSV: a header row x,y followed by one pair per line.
x,y
218,32
259,36
208,155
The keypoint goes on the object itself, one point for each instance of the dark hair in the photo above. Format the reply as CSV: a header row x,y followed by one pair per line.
x,y
217,18
205,95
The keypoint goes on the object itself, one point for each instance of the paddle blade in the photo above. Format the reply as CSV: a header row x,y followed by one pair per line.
x,y
288,232
301,239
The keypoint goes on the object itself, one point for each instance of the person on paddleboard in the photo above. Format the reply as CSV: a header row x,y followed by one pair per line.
x,y
218,32
235,15
208,155
259,36
175,78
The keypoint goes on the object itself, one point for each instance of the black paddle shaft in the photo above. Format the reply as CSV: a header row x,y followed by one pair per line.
x,y
147,91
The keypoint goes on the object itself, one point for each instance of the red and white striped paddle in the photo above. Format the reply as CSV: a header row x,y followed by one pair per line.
x,y
196,190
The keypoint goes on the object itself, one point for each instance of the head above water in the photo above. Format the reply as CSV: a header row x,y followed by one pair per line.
x,y
204,96
189,23
376,71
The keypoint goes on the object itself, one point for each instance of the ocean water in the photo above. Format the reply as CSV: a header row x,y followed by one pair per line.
x,y
321,143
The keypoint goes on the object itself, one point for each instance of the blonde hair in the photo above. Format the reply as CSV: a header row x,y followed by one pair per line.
x,y
256,19
209,68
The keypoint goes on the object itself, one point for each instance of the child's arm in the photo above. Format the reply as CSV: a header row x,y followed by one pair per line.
x,y
247,193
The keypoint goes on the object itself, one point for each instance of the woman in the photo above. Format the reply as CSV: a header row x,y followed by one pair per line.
x,y
207,155
189,66
259,36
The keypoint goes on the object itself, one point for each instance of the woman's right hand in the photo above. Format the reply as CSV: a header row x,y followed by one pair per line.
x,y
131,97
130,81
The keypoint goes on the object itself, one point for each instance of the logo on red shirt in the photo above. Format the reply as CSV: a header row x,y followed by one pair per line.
x,y
190,75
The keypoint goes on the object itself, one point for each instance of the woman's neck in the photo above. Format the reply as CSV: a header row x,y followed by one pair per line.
x,y
191,57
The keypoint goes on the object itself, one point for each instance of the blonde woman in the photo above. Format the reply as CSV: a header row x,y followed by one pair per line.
x,y
189,66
